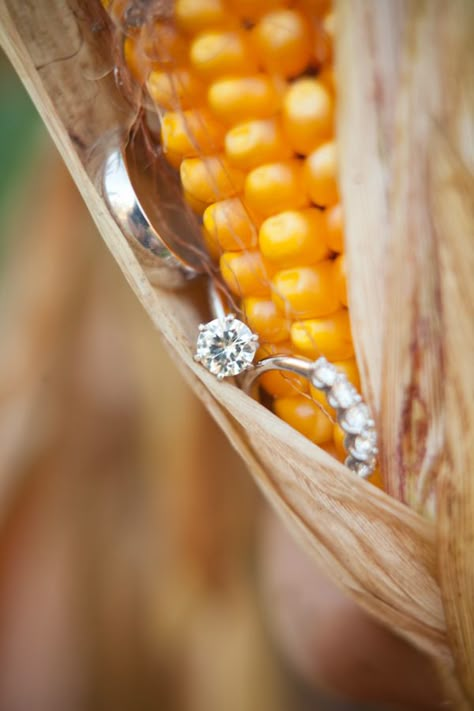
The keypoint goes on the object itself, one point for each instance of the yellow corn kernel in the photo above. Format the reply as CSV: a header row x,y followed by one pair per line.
x,y
331,449
138,63
163,45
283,41
307,115
215,54
206,180
193,16
255,142
188,134
305,292
156,46
321,175
212,247
237,99
327,78
334,228
280,384
294,237
323,41
329,336
305,416
229,227
376,478
178,89
276,382
320,399
340,283
196,205
339,436
275,187
245,273
315,8
264,319
253,9
349,367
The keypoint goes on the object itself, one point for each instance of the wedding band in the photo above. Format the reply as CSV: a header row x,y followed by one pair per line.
x,y
352,413
138,199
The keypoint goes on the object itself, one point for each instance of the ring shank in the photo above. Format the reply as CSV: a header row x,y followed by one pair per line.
x,y
289,364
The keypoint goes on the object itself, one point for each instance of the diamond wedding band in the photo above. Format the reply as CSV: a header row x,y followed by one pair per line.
x,y
226,347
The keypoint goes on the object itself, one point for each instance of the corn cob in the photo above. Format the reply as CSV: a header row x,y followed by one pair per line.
x,y
245,95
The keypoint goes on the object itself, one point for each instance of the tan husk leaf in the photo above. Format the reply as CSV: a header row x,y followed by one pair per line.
x,y
412,399
454,215
452,190
367,85
408,188
378,550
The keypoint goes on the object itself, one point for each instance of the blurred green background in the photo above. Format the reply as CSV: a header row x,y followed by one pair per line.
x,y
20,133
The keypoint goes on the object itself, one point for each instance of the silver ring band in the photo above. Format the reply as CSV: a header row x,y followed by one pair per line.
x,y
289,364
141,200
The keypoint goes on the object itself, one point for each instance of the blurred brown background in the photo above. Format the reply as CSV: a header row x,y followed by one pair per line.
x,y
129,531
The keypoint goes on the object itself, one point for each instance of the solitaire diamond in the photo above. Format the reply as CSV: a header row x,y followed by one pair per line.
x,y
226,346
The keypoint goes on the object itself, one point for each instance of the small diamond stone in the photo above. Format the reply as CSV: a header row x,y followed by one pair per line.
x,y
342,393
362,469
324,374
226,346
355,418
363,445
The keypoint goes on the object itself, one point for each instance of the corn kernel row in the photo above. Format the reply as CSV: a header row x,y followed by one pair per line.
x,y
246,95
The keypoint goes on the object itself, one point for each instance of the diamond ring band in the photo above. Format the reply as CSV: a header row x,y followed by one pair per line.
x,y
226,347
352,414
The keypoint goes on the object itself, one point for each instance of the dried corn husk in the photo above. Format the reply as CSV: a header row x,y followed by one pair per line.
x,y
404,569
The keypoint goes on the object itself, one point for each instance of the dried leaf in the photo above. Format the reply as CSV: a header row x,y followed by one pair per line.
x,y
410,250
366,87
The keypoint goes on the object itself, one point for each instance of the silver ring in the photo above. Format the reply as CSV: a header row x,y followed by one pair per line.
x,y
141,196
226,347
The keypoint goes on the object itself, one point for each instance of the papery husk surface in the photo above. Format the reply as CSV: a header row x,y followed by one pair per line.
x,y
380,551
407,180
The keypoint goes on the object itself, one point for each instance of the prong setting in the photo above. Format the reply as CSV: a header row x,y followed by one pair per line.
x,y
226,346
